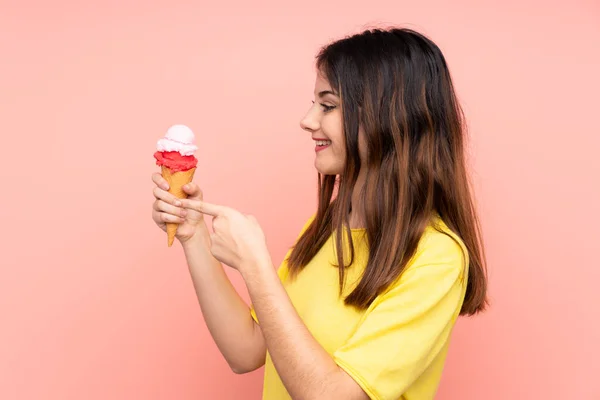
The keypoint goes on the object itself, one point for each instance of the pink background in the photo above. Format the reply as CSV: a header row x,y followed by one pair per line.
x,y
93,304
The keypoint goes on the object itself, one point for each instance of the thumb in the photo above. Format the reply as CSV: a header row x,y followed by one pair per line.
x,y
193,191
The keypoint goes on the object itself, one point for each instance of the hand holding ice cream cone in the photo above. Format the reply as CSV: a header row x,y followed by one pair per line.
x,y
167,210
175,156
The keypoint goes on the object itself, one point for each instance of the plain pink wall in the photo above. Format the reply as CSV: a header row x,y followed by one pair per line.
x,y
93,304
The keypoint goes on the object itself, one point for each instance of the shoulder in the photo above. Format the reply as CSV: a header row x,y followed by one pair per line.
x,y
440,251
433,280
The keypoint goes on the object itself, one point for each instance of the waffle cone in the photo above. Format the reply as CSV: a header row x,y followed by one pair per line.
x,y
176,182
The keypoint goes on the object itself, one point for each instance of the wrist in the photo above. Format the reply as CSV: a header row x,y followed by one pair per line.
x,y
252,269
201,237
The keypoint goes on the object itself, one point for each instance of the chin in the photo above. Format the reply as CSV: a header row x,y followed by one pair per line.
x,y
327,169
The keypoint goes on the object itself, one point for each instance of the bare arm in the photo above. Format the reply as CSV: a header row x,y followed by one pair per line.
x,y
237,335
306,369
228,318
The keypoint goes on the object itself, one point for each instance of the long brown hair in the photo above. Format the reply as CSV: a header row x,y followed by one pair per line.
x,y
396,84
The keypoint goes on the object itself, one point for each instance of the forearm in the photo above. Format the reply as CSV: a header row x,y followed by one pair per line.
x,y
227,316
306,369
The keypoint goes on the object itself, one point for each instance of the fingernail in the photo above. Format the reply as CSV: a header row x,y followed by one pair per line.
x,y
177,203
166,187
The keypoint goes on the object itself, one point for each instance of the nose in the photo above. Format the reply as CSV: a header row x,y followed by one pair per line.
x,y
310,122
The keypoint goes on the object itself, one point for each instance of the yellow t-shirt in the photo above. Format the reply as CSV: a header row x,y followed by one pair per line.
x,y
397,347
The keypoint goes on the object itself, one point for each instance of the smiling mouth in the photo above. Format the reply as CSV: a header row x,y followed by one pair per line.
x,y
322,144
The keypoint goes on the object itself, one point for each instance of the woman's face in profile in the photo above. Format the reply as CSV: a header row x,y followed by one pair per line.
x,y
325,124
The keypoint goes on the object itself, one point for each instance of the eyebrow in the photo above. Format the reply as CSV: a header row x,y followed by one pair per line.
x,y
326,92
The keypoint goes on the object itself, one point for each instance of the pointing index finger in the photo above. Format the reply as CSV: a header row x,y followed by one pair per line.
x,y
211,209
204,207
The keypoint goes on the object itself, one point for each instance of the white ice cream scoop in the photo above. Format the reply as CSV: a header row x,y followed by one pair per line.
x,y
178,138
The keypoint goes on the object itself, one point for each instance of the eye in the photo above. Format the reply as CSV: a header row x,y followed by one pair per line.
x,y
326,108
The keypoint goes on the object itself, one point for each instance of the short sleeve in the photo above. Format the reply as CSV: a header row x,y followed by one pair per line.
x,y
407,327
282,271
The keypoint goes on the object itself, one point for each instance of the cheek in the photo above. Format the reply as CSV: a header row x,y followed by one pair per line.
x,y
334,132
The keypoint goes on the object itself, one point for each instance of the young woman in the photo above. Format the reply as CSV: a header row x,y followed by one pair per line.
x,y
364,304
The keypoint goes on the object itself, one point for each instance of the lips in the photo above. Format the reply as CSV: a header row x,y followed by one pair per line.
x,y
322,144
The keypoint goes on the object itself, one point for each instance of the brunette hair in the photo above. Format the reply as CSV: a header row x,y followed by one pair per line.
x,y
395,83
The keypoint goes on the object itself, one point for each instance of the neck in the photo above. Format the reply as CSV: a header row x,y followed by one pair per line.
x,y
357,217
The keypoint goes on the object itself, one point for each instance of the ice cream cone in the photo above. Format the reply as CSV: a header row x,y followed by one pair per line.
x,y
175,156
176,182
